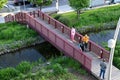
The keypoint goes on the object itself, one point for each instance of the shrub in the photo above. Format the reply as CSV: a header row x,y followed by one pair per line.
x,y
58,69
116,53
24,67
64,20
8,73
116,62
57,17
61,60
82,71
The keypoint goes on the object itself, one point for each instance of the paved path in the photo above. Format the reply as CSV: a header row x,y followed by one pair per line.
x,y
2,20
61,9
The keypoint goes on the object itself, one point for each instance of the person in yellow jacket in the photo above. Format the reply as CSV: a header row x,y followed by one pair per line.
x,y
85,40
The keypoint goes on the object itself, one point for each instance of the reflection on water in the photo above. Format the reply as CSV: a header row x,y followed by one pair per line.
x,y
12,59
102,36
42,51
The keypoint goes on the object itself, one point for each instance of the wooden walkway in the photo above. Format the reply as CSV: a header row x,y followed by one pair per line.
x,y
95,60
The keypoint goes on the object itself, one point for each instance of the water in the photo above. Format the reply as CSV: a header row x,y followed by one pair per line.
x,y
13,59
103,36
42,51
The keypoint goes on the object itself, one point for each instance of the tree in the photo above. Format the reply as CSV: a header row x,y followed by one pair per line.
x,y
41,3
2,3
78,5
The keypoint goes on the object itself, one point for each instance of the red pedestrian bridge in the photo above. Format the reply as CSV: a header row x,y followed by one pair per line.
x,y
58,35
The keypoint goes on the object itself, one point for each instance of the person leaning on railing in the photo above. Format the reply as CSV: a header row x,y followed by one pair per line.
x,y
85,40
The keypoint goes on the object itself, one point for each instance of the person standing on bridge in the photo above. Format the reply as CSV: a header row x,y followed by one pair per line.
x,y
85,40
102,69
72,33
81,46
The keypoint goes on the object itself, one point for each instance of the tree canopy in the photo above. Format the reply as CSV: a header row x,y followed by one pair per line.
x,y
2,3
79,4
41,2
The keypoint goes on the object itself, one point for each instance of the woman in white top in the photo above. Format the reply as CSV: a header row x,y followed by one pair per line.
x,y
72,33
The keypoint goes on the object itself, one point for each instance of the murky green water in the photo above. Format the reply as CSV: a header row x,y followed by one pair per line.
x,y
42,51
103,36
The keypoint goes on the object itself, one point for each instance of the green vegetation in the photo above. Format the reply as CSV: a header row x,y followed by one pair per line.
x,y
24,67
9,73
116,60
64,20
78,5
2,3
101,18
14,35
41,3
13,31
58,68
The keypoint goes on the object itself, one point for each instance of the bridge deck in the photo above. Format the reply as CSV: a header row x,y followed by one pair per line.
x,y
95,60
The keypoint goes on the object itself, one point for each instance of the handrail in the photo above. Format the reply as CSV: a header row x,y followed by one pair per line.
x,y
61,43
29,18
99,51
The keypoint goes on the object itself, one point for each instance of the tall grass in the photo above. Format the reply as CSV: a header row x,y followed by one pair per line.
x,y
8,73
94,17
14,35
58,69
13,32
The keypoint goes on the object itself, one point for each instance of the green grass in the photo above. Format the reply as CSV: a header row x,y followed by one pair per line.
x,y
116,59
14,35
13,31
58,69
94,17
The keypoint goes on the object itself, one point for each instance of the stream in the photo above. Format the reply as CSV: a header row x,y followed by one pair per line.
x,y
41,51
102,36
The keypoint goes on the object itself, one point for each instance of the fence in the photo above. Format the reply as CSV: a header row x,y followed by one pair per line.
x,y
99,51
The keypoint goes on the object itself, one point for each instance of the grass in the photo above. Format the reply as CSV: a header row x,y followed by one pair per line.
x,y
13,31
95,17
116,59
57,69
14,35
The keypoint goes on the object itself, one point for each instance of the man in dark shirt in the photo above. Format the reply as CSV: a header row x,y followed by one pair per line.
x,y
102,68
112,1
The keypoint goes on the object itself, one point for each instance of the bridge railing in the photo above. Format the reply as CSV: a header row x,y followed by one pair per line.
x,y
99,51
20,17
9,18
59,42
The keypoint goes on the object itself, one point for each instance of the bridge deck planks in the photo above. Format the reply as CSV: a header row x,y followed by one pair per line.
x,y
95,60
